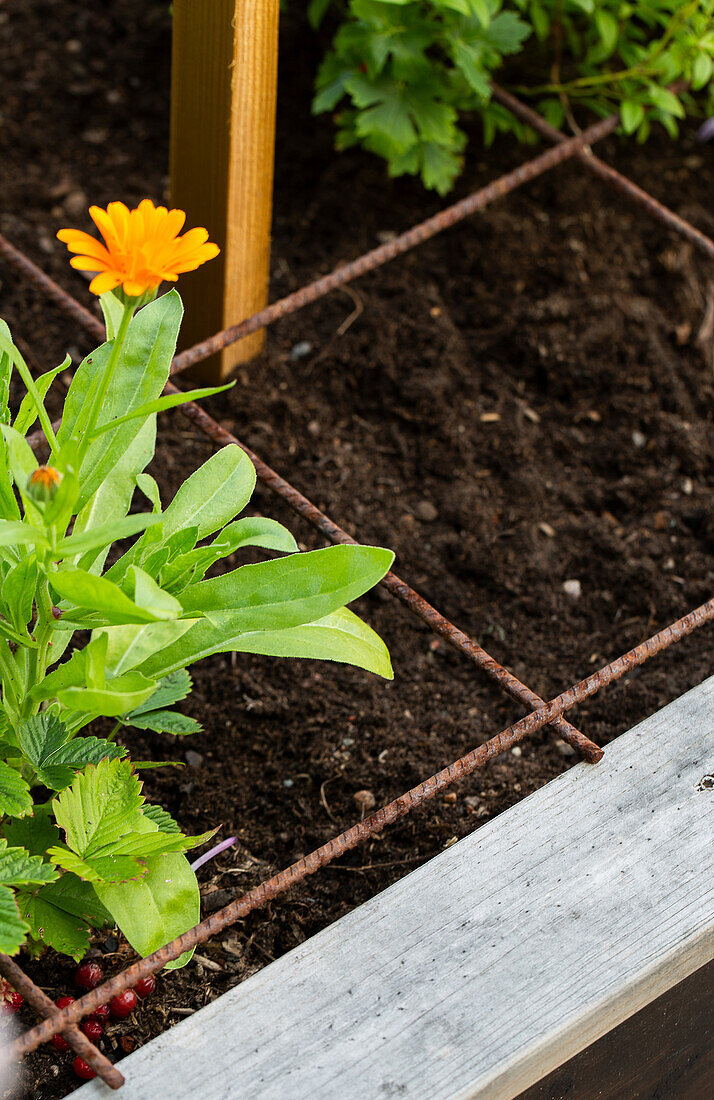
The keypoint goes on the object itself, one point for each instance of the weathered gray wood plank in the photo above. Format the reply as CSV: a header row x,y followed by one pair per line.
x,y
492,964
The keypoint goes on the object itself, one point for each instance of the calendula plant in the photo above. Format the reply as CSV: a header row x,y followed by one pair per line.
x,y
80,846
402,73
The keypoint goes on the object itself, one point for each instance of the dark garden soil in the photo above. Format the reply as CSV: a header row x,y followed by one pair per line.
x,y
525,401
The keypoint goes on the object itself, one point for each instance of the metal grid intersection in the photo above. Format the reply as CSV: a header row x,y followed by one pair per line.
x,y
65,1021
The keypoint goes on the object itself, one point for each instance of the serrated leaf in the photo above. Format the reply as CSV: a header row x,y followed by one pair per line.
x,y
103,804
15,797
13,929
62,914
164,721
172,689
96,869
161,819
18,867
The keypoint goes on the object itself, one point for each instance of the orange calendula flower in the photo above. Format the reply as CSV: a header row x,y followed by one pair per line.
x,y
141,247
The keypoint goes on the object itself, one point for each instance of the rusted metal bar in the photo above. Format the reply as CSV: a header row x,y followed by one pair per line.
x,y
370,826
76,1038
610,175
478,200
305,508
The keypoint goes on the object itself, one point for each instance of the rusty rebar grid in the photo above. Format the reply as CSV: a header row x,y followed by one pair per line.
x,y
542,716
43,1006
610,175
305,508
370,826
451,215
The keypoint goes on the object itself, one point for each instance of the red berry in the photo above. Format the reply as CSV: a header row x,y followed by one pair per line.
x,y
88,975
123,1005
64,1002
59,1042
10,999
93,1030
101,1014
145,987
82,1070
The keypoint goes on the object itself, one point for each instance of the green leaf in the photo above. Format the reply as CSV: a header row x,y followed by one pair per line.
x,y
19,868
701,70
113,310
27,413
13,929
62,914
288,591
665,100
164,904
15,797
148,595
97,538
140,377
340,636
164,721
632,115
96,594
21,534
103,804
21,456
111,501
161,819
213,495
36,833
171,690
129,646
608,28
19,591
161,404
121,694
47,745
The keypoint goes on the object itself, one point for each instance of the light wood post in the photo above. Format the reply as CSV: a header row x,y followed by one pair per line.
x,y
224,88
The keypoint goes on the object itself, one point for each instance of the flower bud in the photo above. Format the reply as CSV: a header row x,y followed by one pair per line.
x,y
43,484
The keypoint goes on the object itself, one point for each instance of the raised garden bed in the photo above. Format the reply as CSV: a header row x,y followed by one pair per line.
x,y
520,405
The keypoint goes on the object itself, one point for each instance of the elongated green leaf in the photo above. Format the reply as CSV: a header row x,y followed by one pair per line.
x,y
99,537
18,591
164,904
340,636
21,534
111,501
118,696
147,594
161,819
97,594
161,404
140,377
129,646
213,495
113,311
96,869
289,591
27,413
14,792
21,457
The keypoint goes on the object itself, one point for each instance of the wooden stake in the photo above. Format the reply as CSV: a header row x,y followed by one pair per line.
x,y
224,88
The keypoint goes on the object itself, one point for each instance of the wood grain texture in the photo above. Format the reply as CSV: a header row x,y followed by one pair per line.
x,y
664,1052
495,962
223,99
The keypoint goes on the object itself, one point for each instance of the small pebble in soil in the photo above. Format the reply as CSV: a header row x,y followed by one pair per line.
x,y
426,511
82,1070
300,350
638,439
573,589
564,748
88,975
450,797
123,1004
194,759
75,204
516,750
364,801
145,987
